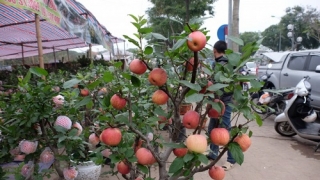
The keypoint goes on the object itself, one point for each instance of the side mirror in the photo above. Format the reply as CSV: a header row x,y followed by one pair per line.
x,y
317,69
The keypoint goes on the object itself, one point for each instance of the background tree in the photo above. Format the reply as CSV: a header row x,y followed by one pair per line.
x,y
167,17
248,37
312,18
297,16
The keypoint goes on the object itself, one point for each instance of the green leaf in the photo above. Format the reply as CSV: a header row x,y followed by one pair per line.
x,y
159,111
148,50
144,169
234,58
117,64
188,157
107,76
236,152
236,40
217,86
250,133
145,30
129,152
196,87
71,83
178,44
135,81
158,36
174,145
194,98
258,119
176,165
26,79
94,84
255,84
83,102
126,75
246,78
133,17
38,71
131,40
62,138
207,71
202,158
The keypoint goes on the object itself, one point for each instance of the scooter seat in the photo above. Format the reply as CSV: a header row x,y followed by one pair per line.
x,y
311,129
279,91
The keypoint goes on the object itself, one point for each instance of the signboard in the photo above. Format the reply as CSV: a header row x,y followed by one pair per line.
x,y
222,32
48,12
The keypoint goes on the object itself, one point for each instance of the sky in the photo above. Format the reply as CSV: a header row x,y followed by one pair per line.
x,y
255,15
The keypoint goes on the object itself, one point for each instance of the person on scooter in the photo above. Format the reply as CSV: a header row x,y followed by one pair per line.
x,y
219,49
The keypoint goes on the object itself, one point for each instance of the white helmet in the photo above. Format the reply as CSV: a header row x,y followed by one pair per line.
x,y
311,117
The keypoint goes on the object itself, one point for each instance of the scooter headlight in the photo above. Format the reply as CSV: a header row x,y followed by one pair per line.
x,y
307,85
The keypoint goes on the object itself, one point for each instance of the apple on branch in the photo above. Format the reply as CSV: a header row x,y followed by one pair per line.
x,y
137,66
196,41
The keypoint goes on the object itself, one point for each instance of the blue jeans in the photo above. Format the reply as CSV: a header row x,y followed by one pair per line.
x,y
226,123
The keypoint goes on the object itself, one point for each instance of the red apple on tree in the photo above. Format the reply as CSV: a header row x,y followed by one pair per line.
x,y
160,97
213,113
84,92
158,77
219,136
244,141
197,143
118,102
111,136
180,152
204,89
217,173
196,41
123,168
145,157
137,66
191,119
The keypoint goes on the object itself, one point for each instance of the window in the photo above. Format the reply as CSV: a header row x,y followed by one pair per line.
x,y
314,62
297,62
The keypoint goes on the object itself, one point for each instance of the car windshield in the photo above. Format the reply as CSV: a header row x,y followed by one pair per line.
x,y
251,65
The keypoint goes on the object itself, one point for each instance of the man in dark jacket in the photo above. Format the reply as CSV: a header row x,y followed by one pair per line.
x,y
219,49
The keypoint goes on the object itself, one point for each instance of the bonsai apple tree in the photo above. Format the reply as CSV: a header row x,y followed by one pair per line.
x,y
122,112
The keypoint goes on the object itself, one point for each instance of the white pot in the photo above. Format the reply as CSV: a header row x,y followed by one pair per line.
x,y
88,171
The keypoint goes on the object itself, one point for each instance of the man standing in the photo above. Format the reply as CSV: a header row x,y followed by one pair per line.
x,y
219,49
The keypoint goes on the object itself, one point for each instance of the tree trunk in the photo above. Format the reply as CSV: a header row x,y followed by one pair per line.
x,y
235,24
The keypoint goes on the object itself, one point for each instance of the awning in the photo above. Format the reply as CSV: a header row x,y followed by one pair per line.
x,y
64,24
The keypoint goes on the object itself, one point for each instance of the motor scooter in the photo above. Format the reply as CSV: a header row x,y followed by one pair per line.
x,y
269,101
299,117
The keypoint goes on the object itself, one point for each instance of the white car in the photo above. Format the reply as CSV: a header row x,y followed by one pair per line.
x,y
251,68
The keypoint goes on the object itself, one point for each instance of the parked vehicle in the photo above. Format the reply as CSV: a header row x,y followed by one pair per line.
x,y
270,101
245,85
299,116
288,68
251,68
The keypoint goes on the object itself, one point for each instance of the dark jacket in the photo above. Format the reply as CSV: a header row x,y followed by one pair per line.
x,y
225,97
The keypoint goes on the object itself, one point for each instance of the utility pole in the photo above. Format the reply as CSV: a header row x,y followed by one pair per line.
x,y
229,24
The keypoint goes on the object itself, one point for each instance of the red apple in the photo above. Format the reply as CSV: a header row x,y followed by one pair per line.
x,y
137,66
111,136
191,119
196,41
180,152
123,168
84,92
94,139
158,77
197,143
213,113
145,157
118,102
190,64
244,141
204,89
160,97
162,119
217,173
220,136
